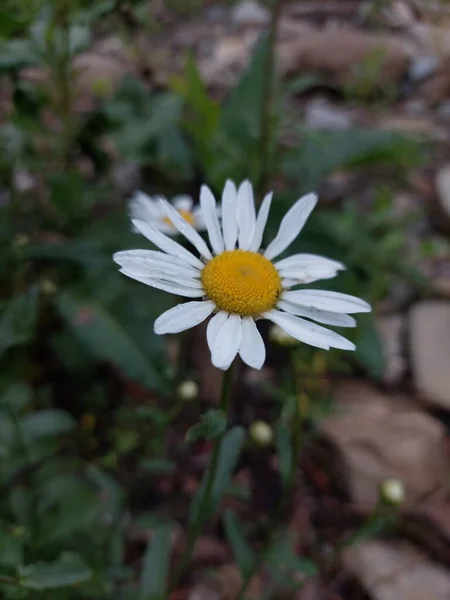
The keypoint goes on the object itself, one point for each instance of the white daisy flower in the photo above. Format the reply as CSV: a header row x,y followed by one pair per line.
x,y
238,283
150,209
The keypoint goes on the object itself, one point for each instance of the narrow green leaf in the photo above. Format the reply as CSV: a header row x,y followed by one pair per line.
x,y
46,576
18,320
107,339
243,554
212,424
284,564
156,564
45,423
230,449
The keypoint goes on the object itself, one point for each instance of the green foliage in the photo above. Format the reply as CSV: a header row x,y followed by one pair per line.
x,y
212,425
104,336
156,564
18,320
242,551
228,456
45,576
321,153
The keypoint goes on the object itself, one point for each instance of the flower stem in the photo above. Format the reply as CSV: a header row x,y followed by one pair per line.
x,y
268,97
196,526
299,418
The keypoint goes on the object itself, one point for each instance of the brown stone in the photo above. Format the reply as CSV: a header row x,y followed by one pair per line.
x,y
397,571
429,324
338,52
380,437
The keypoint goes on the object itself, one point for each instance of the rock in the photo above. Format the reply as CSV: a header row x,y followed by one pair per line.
x,y
399,14
383,437
205,591
443,189
432,522
429,324
229,580
443,111
24,181
127,177
397,571
422,67
320,114
340,52
249,12
99,70
391,329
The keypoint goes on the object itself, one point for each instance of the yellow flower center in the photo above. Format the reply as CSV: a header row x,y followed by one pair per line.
x,y
241,282
187,216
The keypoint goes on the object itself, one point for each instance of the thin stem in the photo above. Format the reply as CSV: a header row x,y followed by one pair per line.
x,y
299,418
196,527
268,96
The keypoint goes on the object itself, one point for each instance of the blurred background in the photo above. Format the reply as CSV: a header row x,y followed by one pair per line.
x,y
98,99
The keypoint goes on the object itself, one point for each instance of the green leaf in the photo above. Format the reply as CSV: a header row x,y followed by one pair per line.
x,y
17,397
212,424
156,564
66,193
46,576
369,349
241,116
321,153
45,423
284,449
230,448
108,340
157,466
204,119
11,545
18,321
284,564
242,552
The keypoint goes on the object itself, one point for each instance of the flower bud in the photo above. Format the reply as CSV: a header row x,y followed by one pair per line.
x,y
280,337
48,287
187,390
261,433
392,491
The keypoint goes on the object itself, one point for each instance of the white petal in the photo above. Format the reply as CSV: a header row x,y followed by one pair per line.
x,y
209,214
229,223
307,332
325,300
252,349
287,283
308,273
187,230
145,262
183,203
168,245
246,217
183,316
291,225
322,316
261,221
301,260
227,342
214,327
172,288
144,207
